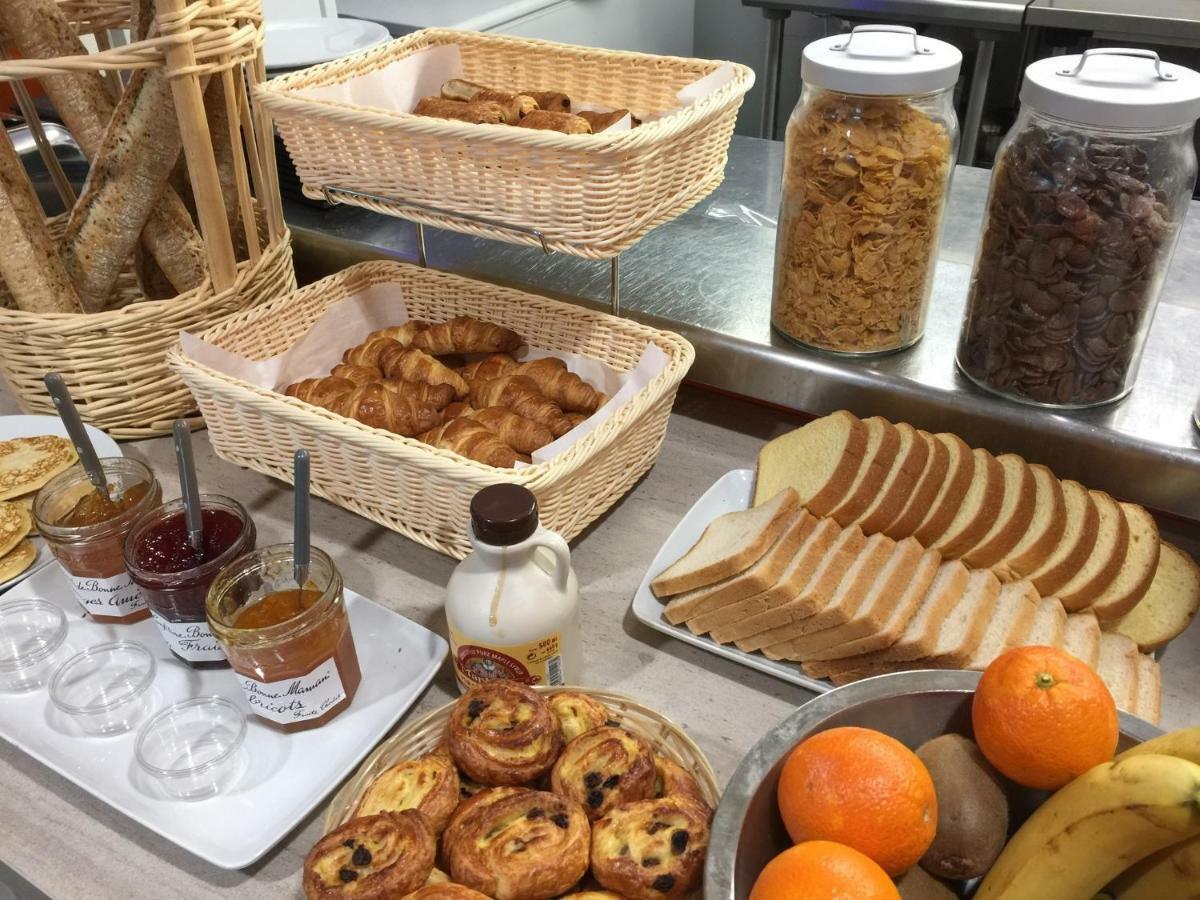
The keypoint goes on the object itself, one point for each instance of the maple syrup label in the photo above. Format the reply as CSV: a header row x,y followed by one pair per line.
x,y
537,662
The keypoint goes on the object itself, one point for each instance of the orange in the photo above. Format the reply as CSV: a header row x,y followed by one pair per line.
x,y
861,788
1042,717
823,870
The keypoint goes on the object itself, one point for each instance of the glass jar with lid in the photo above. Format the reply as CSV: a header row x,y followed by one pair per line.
x,y
1087,198
869,153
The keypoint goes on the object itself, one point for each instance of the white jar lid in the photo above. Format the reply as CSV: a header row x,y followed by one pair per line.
x,y
1114,87
881,60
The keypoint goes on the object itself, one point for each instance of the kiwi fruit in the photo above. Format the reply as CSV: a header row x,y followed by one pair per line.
x,y
917,884
972,805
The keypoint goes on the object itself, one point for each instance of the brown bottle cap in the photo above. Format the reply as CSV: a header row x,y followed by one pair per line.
x,y
504,514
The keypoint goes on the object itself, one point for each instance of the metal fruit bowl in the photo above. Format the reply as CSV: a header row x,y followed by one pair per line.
x,y
912,707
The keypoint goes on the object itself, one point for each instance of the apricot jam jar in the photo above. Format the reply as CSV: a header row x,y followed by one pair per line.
x,y
86,532
290,647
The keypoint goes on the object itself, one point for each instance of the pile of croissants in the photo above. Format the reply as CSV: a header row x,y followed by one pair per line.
x,y
455,385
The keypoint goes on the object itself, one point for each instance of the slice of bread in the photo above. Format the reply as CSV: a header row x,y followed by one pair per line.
x,y
790,583
925,491
883,443
900,482
1103,564
1118,668
1168,607
885,622
760,576
977,509
943,509
730,544
1137,570
1050,625
1016,512
820,461
1082,639
1010,625
1148,702
1045,529
1079,537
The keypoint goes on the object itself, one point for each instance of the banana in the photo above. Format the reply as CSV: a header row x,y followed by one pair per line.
x,y
1184,743
1092,830
1171,873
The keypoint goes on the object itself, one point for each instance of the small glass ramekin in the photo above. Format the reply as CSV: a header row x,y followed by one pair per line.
x,y
106,688
192,747
31,638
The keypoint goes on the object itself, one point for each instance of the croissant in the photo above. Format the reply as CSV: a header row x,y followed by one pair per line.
x,y
472,440
436,395
523,435
356,374
489,367
576,418
416,365
376,406
457,410
521,395
368,352
321,392
401,334
565,388
465,334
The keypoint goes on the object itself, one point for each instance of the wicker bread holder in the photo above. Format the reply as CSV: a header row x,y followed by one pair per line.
x,y
426,734
589,195
422,492
114,361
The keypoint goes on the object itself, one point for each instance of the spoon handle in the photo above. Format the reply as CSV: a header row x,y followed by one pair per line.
x,y
192,516
76,432
300,521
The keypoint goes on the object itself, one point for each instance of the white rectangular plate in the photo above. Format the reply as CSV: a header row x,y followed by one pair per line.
x,y
732,491
283,776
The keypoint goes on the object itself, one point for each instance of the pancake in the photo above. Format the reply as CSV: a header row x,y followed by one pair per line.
x,y
17,560
14,525
27,463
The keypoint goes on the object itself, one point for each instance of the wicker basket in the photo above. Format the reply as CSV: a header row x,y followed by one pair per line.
x,y
424,735
589,195
419,491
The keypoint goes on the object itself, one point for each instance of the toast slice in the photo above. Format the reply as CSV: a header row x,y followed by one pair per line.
x,y
883,443
1137,570
884,623
977,509
1049,626
1044,532
1103,564
730,544
1168,607
1079,537
943,509
1010,625
1148,702
925,490
900,482
1118,668
1012,521
820,461
1082,639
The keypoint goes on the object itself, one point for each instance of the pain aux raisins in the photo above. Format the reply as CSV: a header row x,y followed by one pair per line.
x,y
592,779
347,875
664,883
651,861
361,856
612,781
594,799
536,813
475,709
679,841
562,820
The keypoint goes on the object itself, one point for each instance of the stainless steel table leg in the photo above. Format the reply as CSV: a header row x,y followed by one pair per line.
x,y
975,98
774,66
614,287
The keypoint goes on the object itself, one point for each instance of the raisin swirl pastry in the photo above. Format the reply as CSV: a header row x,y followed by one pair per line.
x,y
652,848
447,891
503,733
577,713
517,844
429,784
673,780
371,858
602,768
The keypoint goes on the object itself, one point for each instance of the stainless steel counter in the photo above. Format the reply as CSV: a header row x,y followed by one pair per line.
x,y
709,278
1175,22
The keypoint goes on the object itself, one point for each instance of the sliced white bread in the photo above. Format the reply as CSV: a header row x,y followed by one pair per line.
x,y
1044,533
883,443
1012,521
900,482
1168,607
1010,625
977,509
819,461
790,583
885,622
730,544
1050,625
1148,702
1137,570
760,576
1083,638
1078,539
929,484
858,581
945,506
1103,564
1118,668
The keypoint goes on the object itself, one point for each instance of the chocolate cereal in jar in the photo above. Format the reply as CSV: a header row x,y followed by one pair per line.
x,y
1087,197
870,149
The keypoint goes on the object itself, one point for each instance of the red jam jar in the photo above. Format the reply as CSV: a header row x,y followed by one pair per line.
x,y
86,531
290,647
174,577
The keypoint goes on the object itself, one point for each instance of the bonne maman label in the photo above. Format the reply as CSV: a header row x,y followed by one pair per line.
x,y
295,699
116,596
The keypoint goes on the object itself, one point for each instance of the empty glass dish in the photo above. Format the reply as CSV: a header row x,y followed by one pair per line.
x,y
191,747
31,638
105,689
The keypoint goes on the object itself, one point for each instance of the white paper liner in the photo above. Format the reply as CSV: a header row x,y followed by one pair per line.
x,y
348,322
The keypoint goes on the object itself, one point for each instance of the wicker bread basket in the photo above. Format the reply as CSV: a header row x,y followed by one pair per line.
x,y
589,195
419,491
424,735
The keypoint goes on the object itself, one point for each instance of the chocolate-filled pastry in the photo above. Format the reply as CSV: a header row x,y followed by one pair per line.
x,y
515,106
446,891
577,713
372,858
602,120
555,101
518,844
476,112
566,122
428,785
503,733
401,334
358,375
652,848
466,334
673,780
603,768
